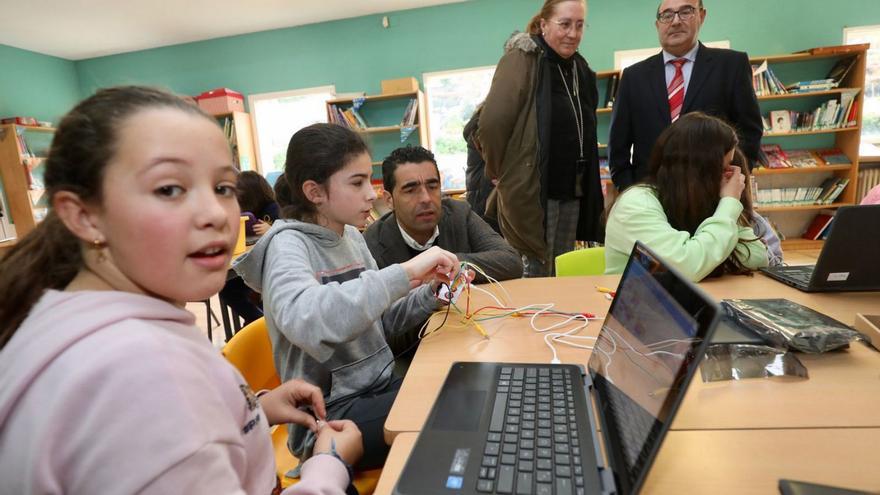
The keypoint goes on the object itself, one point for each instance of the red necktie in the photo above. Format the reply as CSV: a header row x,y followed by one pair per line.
x,y
676,89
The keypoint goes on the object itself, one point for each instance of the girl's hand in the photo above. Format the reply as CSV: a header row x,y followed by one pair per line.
x,y
282,404
732,182
261,227
435,263
347,436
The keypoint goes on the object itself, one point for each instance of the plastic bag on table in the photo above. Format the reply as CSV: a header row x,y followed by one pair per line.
x,y
740,361
788,324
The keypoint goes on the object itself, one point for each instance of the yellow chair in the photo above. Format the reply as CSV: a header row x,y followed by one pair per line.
x,y
590,261
250,351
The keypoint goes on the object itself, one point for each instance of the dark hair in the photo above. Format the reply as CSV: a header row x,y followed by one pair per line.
x,y
315,153
406,154
685,169
282,192
547,10
661,4
254,192
50,256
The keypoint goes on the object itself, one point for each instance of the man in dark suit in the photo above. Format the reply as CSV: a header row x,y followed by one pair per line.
x,y
685,77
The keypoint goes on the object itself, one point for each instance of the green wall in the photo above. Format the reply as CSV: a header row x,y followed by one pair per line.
x,y
355,54
36,85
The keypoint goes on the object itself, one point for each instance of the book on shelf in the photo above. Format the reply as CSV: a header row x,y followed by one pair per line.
x,y
812,85
819,225
776,158
611,90
765,81
833,156
33,167
832,114
841,68
803,158
409,115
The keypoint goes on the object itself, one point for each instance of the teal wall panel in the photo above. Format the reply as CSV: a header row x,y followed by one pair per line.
x,y
36,85
355,54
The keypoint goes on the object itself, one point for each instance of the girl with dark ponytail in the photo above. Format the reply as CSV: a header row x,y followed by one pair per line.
x,y
105,383
329,309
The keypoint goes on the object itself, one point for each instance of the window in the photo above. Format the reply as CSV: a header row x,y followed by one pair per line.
x,y
278,115
452,98
871,110
625,58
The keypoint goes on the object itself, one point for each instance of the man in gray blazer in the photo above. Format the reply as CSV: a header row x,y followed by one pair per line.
x,y
420,219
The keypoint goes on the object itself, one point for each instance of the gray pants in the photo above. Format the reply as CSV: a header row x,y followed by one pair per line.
x,y
560,234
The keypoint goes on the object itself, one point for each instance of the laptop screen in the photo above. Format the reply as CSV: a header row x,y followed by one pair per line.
x,y
643,360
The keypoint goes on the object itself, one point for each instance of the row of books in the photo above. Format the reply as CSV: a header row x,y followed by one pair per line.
x,y
26,151
830,115
765,81
776,157
231,138
349,117
409,115
825,194
820,226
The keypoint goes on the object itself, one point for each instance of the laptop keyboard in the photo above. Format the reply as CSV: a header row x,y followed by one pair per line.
x,y
533,445
800,273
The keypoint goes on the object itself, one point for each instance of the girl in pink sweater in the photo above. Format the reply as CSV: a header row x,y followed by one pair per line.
x,y
105,383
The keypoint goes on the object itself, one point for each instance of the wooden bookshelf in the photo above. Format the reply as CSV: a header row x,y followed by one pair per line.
x,y
382,119
241,139
14,173
793,220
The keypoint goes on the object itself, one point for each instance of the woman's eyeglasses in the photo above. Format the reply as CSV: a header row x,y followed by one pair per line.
x,y
566,25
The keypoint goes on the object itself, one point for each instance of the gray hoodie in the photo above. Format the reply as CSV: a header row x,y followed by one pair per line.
x,y
329,311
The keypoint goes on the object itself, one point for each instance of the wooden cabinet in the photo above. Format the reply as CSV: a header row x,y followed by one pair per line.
x,y
239,132
793,219
23,151
387,121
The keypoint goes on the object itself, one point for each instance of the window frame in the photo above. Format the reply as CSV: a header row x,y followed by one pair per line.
x,y
253,99
868,146
426,78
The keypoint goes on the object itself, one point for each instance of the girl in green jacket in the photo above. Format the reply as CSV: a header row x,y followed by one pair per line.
x,y
689,209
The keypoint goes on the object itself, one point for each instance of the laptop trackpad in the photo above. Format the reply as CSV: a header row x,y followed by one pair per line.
x,y
459,410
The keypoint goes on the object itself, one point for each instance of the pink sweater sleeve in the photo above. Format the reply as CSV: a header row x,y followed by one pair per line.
x,y
873,196
321,475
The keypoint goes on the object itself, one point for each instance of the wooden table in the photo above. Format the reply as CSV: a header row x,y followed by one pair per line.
x,y
843,389
735,462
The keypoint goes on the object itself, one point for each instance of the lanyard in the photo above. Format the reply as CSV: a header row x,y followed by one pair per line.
x,y
578,111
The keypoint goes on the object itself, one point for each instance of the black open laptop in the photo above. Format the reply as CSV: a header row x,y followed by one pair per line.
x,y
531,428
849,260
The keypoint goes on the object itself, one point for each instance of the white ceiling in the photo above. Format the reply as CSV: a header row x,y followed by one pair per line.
x,y
78,29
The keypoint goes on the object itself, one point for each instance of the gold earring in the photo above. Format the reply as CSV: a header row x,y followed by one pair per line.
x,y
99,246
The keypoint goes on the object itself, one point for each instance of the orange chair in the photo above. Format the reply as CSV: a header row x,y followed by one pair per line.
x,y
250,351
